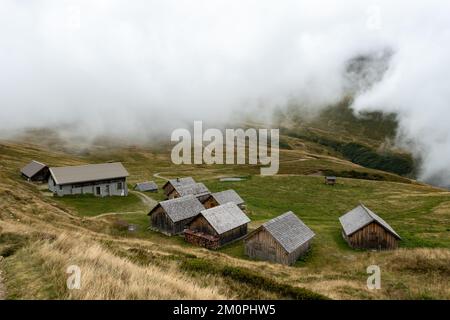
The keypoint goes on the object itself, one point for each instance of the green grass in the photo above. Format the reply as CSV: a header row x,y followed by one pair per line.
x,y
142,221
408,208
89,205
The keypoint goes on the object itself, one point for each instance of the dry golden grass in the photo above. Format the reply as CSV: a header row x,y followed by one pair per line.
x,y
55,237
106,276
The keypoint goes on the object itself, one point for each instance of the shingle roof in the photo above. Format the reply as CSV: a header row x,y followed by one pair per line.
x,y
289,231
196,189
226,196
88,173
225,217
180,181
360,217
32,168
146,186
181,208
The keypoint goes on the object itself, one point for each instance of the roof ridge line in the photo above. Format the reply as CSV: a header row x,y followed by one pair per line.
x,y
367,210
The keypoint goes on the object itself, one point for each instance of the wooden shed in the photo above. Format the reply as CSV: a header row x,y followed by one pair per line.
x,y
218,198
363,229
330,180
147,186
170,185
217,226
171,216
283,239
35,171
199,190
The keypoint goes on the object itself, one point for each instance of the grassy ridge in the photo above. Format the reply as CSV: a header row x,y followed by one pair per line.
x,y
363,155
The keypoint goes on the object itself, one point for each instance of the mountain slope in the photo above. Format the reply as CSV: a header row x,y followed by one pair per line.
x,y
41,236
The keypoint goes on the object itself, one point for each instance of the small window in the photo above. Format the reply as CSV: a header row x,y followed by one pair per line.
x,y
60,187
97,190
119,186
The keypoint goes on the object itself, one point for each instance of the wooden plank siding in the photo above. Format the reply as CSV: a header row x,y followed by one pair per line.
x,y
168,189
201,225
262,245
172,194
210,202
162,222
372,236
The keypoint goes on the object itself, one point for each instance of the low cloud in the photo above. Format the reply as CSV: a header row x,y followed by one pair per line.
x,y
140,69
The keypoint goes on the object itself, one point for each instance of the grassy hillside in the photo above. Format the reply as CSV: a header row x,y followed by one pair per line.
x,y
42,235
366,140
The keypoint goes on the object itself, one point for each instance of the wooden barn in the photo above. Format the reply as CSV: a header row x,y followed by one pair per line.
x,y
283,239
330,180
35,171
363,229
147,186
170,185
199,190
217,226
218,198
171,216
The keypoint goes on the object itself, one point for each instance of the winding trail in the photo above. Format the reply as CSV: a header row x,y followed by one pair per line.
x,y
146,200
158,175
150,202
112,214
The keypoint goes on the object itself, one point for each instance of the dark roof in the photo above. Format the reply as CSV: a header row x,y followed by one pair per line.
x,y
88,173
289,231
226,196
225,217
146,186
180,181
181,208
196,189
32,168
360,217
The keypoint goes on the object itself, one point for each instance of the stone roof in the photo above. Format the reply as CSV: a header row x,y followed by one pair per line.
x,y
226,196
196,189
360,217
225,217
289,231
146,186
32,168
182,208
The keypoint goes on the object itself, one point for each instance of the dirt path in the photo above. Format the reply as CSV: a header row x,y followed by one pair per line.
x,y
113,214
149,202
146,200
158,175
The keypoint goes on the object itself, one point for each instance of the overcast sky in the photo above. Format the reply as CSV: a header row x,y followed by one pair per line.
x,y
140,67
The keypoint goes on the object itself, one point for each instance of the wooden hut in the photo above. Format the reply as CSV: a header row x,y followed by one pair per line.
x,y
283,239
217,226
199,190
147,186
330,180
171,216
363,229
35,171
218,198
170,185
